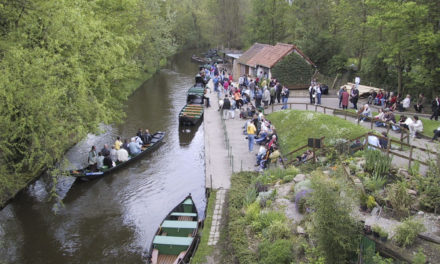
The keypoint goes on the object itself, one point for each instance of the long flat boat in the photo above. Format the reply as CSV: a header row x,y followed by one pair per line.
x,y
177,235
87,175
191,114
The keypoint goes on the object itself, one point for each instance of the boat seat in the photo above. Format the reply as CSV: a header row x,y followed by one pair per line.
x,y
171,245
183,214
179,228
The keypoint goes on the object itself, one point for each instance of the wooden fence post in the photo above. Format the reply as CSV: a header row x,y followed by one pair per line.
x,y
388,147
307,107
316,108
345,115
410,157
324,109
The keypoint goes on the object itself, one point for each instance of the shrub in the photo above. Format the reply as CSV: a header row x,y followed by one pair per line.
x,y
277,230
279,252
374,183
377,162
399,198
265,219
253,211
407,232
301,199
419,258
336,232
371,203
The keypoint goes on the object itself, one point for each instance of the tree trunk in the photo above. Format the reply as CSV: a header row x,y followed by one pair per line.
x,y
399,74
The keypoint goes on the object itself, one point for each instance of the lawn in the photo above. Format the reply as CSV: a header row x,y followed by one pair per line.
x,y
294,127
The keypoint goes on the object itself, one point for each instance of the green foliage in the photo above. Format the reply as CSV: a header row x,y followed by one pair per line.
x,y
265,219
273,175
278,229
377,162
377,259
293,71
398,197
374,183
429,187
203,249
407,232
279,251
335,231
419,257
237,224
371,202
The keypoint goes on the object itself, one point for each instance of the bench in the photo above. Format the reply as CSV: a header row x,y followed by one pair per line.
x,y
183,214
171,245
179,228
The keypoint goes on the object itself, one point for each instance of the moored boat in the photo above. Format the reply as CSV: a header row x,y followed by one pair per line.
x,y
198,59
191,114
176,237
87,175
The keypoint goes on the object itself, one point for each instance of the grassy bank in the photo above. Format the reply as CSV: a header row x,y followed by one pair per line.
x,y
294,127
204,250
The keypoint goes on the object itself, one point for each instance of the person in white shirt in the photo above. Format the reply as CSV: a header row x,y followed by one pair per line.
x,y
416,126
373,142
122,155
406,102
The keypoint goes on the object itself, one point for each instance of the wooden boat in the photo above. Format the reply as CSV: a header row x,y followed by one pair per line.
x,y
191,114
198,59
87,175
176,237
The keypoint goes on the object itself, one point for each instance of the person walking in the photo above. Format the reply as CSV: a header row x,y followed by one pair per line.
x,y
226,107
312,94
354,96
278,89
344,97
435,106
251,131
285,97
340,96
318,94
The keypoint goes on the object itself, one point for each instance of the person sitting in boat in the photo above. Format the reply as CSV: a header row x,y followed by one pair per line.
x,y
92,159
113,154
126,146
108,162
105,150
118,143
100,161
122,155
146,137
134,147
138,140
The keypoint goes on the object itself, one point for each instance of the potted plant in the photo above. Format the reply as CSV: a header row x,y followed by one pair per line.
x,y
383,235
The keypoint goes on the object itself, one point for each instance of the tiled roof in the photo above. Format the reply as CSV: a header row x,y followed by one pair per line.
x,y
268,56
250,53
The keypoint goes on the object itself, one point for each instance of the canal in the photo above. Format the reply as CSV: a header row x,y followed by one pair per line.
x,y
113,219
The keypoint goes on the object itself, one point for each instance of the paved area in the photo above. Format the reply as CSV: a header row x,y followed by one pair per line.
x,y
214,234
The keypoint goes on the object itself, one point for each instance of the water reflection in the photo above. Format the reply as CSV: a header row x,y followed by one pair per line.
x,y
113,219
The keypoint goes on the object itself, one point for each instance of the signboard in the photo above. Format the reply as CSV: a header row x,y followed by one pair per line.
x,y
314,143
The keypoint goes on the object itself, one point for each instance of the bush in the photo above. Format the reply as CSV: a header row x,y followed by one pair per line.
x,y
407,232
280,251
371,203
377,162
277,230
399,198
265,219
374,183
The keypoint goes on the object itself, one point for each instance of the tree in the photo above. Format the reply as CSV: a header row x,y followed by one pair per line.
x,y
335,231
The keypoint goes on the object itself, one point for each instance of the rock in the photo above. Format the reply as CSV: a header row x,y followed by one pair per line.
x,y
299,178
326,172
412,192
420,213
403,172
300,230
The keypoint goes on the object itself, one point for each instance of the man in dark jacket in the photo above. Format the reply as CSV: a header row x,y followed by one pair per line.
x,y
226,107
278,89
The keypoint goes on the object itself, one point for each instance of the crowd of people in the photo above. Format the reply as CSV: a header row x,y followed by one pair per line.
x,y
119,152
